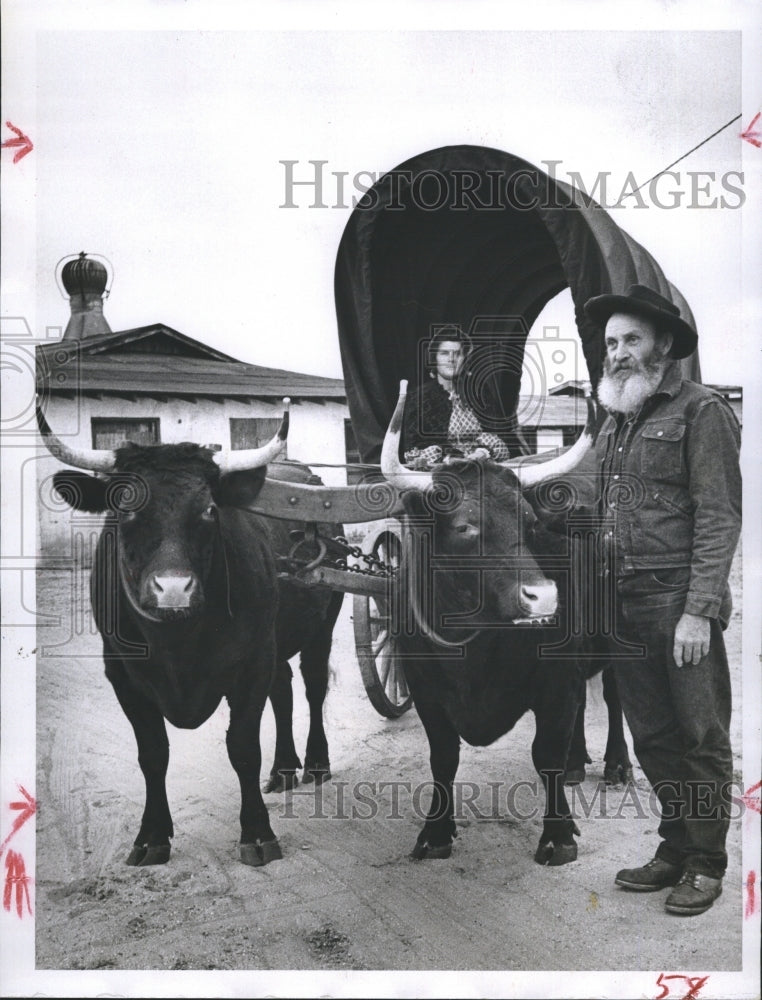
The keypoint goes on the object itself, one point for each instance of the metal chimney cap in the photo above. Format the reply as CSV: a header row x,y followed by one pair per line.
x,y
84,276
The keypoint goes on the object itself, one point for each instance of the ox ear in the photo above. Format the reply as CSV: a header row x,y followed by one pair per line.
x,y
81,491
239,489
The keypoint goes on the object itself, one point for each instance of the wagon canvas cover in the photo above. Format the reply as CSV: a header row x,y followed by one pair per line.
x,y
447,237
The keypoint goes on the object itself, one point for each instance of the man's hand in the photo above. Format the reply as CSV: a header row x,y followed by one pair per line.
x,y
691,640
477,453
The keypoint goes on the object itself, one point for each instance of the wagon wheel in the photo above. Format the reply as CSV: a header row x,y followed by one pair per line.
x,y
377,649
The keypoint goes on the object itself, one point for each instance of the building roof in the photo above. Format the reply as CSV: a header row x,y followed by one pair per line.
x,y
157,338
158,361
552,411
162,363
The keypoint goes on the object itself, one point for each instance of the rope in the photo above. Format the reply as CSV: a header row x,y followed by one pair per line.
x,y
630,194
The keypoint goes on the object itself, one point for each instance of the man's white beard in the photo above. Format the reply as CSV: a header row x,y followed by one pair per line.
x,y
625,390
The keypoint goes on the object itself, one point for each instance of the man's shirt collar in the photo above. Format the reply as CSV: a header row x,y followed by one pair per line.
x,y
672,382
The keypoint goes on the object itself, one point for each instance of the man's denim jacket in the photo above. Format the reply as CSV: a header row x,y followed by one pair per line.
x,y
671,489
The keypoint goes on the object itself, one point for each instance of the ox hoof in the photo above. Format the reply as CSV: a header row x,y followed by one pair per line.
x,y
620,774
141,855
282,781
317,773
260,853
555,854
430,852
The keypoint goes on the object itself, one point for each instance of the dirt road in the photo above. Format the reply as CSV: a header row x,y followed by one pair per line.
x,y
346,895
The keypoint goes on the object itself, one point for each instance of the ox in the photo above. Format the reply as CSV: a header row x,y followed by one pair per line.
x,y
617,768
482,611
305,622
185,594
617,764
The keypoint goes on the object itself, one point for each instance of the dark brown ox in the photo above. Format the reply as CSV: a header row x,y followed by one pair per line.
x,y
305,623
483,590
185,596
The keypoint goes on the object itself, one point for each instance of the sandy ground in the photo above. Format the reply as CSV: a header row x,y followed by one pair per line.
x,y
346,895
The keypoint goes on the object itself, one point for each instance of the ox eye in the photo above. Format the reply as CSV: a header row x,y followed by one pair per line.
x,y
210,513
465,531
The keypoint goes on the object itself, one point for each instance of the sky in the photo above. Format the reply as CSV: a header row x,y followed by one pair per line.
x,y
162,151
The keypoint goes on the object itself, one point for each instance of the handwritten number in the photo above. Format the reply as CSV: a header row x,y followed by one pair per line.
x,y
695,984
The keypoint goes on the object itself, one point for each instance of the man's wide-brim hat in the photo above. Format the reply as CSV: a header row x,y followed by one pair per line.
x,y
643,301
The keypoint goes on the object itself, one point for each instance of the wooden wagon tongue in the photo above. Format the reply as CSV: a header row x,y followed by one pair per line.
x,y
341,504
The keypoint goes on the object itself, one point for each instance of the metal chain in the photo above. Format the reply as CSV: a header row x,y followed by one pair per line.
x,y
373,565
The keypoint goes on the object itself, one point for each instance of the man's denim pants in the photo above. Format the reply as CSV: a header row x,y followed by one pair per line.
x,y
679,718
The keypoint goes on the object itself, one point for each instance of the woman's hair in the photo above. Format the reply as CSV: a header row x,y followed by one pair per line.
x,y
446,334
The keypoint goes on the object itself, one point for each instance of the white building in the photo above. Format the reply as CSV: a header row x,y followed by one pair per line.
x,y
100,388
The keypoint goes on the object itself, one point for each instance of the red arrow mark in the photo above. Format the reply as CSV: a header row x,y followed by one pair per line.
x,y
755,138
25,809
23,142
750,800
751,895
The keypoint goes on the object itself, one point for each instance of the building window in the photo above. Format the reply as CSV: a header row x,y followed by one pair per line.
x,y
548,439
112,432
352,453
254,432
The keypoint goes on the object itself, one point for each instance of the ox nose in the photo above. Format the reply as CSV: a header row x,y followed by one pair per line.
x,y
540,598
173,591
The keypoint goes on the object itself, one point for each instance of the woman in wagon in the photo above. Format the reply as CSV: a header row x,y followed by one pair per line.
x,y
439,420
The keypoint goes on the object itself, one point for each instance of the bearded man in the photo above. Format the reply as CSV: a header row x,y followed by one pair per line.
x,y
670,515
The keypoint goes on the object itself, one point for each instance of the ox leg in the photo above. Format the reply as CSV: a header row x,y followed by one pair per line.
x,y
314,667
258,843
618,766
578,755
555,715
283,772
436,837
151,846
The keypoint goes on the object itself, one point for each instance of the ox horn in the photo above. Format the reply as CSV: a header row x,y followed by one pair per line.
x,y
92,459
393,470
531,474
253,458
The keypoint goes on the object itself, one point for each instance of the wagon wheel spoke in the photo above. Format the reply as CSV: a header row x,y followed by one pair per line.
x,y
403,691
386,662
400,689
381,640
